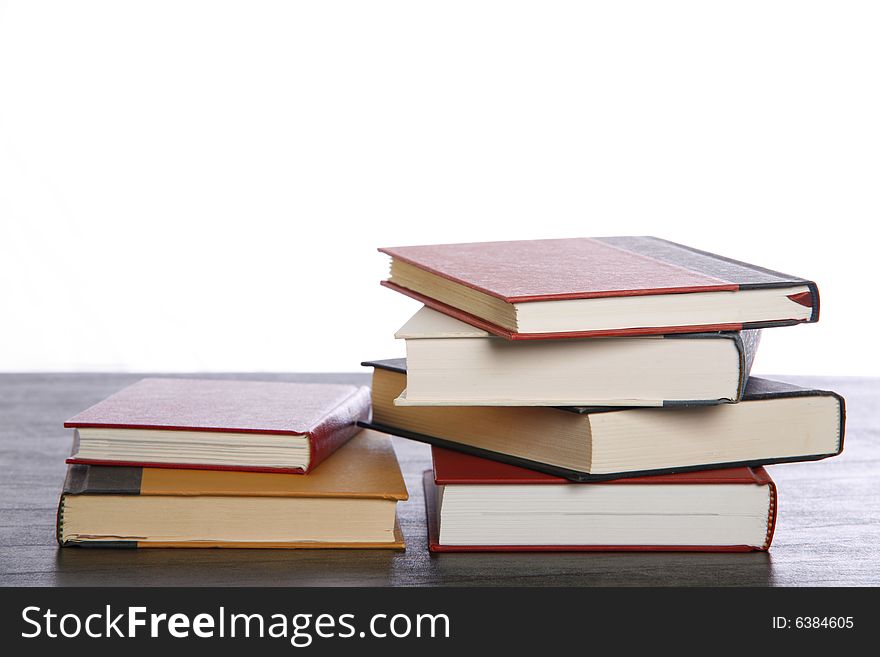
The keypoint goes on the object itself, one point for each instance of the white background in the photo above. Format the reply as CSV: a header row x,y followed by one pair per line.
x,y
202,185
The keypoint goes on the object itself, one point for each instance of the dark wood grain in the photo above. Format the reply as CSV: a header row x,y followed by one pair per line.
x,y
828,531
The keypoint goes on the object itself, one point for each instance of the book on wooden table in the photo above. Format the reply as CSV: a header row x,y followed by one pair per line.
x,y
451,363
477,505
261,426
561,288
349,502
775,422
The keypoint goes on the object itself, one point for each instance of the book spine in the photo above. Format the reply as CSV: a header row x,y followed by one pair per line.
x,y
747,343
762,478
744,274
751,339
59,521
121,479
771,515
339,426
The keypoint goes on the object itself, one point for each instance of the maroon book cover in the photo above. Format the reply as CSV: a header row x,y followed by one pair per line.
x,y
456,468
519,272
326,413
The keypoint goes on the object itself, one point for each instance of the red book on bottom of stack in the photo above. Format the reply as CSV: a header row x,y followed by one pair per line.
x,y
477,505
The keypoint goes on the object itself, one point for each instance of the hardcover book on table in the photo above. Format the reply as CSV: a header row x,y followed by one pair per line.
x,y
261,426
585,287
476,505
775,422
451,363
349,502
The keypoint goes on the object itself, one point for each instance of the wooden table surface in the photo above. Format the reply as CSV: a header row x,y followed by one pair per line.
x,y
828,531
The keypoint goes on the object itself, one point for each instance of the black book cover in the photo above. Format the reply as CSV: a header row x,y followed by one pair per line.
x,y
755,389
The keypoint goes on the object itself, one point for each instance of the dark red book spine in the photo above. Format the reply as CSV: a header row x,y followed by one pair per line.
x,y
339,427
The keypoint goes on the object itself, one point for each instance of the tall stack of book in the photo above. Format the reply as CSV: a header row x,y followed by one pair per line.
x,y
584,394
219,463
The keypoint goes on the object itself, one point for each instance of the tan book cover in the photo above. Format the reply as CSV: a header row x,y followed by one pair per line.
x,y
348,501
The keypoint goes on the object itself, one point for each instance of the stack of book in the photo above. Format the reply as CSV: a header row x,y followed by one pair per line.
x,y
218,463
587,394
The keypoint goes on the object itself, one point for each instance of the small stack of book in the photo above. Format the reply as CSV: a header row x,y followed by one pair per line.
x,y
219,463
585,394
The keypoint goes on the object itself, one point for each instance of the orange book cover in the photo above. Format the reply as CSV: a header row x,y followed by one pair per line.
x,y
365,468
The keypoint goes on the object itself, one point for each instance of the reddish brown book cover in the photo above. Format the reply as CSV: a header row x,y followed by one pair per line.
x,y
456,468
520,272
326,413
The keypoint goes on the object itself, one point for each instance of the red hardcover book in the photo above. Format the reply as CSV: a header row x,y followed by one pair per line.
x,y
214,424
477,505
586,287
